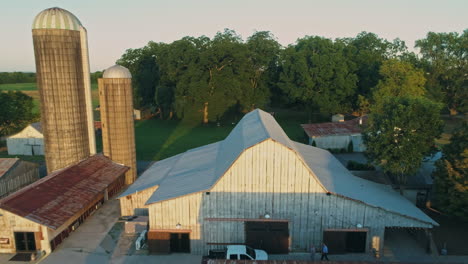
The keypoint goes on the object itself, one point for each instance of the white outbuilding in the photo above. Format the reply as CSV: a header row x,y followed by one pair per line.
x,y
30,141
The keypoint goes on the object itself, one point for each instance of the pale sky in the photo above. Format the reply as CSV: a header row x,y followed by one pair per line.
x,y
116,25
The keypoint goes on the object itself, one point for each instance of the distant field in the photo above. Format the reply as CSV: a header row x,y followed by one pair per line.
x,y
31,90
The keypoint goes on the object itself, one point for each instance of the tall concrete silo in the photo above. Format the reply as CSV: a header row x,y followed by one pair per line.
x,y
118,133
62,66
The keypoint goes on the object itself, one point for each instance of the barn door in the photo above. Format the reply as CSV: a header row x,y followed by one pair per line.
x,y
273,237
340,242
180,243
335,241
159,242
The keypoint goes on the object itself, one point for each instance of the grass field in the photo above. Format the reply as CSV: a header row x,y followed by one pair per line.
x,y
31,90
159,139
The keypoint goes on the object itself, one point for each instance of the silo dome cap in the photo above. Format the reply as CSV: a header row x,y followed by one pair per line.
x,y
56,18
117,71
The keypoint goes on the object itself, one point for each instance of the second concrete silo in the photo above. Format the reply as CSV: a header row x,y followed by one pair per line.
x,y
61,53
116,104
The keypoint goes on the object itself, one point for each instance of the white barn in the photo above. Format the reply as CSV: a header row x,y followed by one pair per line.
x,y
30,141
258,187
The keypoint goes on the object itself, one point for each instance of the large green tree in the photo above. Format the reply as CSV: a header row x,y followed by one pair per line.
x,y
451,175
145,74
263,61
15,112
401,132
399,78
368,52
445,56
315,73
212,77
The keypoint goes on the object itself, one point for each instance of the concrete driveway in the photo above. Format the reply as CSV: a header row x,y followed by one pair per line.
x,y
90,243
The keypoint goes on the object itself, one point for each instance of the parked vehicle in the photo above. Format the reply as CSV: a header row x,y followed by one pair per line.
x,y
236,252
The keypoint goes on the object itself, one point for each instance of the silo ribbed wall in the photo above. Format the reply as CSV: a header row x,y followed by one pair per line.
x,y
61,88
118,134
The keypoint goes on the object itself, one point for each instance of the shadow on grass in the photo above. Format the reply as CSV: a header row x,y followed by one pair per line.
x,y
159,139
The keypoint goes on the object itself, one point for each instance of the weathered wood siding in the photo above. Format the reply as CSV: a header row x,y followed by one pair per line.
x,y
22,174
270,178
185,211
134,204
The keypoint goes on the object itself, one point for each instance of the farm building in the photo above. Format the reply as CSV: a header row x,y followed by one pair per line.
x,y
258,187
30,141
15,174
41,215
337,135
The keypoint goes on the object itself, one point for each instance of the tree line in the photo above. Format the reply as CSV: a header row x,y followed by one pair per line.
x,y
17,77
203,79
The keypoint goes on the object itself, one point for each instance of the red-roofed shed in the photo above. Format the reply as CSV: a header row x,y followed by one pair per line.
x,y
337,135
48,210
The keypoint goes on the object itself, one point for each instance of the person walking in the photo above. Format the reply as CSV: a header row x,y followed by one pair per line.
x,y
312,252
324,252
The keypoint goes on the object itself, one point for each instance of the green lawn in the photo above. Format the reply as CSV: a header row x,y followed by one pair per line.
x,y
159,139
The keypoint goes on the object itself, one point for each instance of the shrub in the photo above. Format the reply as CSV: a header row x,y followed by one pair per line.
x,y
354,165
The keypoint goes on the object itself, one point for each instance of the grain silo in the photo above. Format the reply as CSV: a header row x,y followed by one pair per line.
x,y
118,135
62,66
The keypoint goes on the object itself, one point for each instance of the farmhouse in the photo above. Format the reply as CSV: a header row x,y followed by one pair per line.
x,y
337,134
258,187
15,174
41,215
30,141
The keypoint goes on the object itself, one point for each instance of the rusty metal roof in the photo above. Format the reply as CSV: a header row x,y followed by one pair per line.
x,y
53,200
6,164
335,128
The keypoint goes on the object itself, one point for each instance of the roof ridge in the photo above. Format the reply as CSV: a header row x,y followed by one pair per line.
x,y
263,122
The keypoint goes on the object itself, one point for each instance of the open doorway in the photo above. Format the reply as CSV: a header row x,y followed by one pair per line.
x,y
161,242
345,241
25,241
180,243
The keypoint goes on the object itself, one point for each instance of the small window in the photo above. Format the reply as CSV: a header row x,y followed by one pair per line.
x,y
207,193
233,256
243,256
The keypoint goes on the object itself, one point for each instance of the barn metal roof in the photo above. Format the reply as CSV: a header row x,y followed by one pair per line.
x,y
198,169
54,199
6,164
152,176
337,179
334,128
